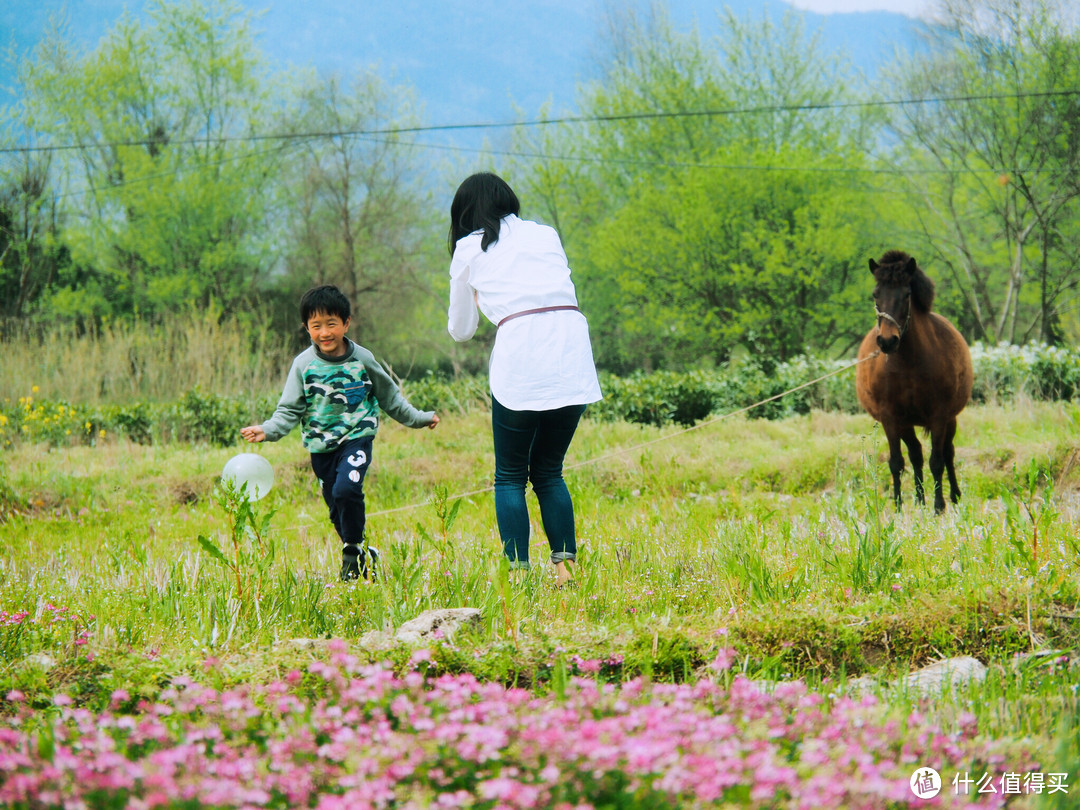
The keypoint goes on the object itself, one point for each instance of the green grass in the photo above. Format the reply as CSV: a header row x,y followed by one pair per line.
x,y
778,538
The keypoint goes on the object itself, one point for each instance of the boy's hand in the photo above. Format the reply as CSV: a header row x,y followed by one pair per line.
x,y
254,433
433,423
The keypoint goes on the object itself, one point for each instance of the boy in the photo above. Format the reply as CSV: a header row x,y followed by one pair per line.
x,y
334,391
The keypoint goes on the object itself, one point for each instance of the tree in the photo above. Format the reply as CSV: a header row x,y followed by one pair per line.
x,y
716,218
992,163
167,187
31,253
357,215
770,259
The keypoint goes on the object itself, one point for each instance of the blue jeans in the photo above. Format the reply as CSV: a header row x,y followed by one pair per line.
x,y
530,446
341,473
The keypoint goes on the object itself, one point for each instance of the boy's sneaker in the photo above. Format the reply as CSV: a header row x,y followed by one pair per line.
x,y
354,563
351,556
372,560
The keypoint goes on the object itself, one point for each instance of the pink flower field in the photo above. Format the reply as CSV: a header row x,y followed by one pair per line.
x,y
342,734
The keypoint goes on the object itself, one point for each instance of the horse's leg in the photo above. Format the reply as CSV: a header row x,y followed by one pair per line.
x,y
914,451
896,461
937,463
950,455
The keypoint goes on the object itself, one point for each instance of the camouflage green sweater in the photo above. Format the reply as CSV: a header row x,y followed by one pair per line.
x,y
337,399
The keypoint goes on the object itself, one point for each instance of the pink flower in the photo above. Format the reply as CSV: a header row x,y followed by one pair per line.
x,y
725,657
359,736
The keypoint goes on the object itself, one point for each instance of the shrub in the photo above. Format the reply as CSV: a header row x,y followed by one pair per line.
x,y
54,422
685,398
659,398
200,417
437,392
1037,370
136,421
656,399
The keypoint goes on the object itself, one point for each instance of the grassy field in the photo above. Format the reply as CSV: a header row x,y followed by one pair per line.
x,y
742,551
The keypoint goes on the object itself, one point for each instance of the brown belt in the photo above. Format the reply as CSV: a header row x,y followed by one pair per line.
x,y
538,309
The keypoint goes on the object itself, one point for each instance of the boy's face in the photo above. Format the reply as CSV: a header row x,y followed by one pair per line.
x,y
327,332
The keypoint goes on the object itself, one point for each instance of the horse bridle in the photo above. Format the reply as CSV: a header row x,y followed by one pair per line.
x,y
901,326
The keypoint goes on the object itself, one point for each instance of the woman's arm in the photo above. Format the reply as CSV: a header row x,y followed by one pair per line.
x,y
463,316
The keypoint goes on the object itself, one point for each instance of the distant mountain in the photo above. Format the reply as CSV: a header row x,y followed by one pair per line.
x,y
469,60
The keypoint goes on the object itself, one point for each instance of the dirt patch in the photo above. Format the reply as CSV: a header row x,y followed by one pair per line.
x,y
185,493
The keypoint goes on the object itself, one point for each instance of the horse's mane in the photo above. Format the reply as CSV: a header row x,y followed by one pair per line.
x,y
890,271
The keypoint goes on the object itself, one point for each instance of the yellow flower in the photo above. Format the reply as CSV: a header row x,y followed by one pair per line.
x,y
34,389
101,434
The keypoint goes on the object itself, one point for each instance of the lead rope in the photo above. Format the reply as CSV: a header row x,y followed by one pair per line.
x,y
640,445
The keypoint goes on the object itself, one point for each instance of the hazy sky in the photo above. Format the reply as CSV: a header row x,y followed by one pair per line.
x,y
909,7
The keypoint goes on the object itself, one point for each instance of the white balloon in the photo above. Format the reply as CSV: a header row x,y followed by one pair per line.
x,y
251,469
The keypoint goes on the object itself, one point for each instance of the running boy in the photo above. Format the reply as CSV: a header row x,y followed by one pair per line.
x,y
334,390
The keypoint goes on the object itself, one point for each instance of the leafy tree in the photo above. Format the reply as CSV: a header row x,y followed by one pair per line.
x,y
771,260
993,165
166,191
31,253
357,215
709,216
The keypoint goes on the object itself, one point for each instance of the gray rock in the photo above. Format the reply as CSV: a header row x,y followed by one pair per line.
x,y
377,641
863,685
432,623
932,679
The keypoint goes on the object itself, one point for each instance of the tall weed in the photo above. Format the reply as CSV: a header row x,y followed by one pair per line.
x,y
119,362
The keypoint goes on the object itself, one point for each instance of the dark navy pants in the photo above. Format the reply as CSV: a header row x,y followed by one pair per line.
x,y
341,473
530,446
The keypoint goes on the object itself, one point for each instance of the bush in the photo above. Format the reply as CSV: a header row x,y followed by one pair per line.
x,y
656,399
1036,370
661,398
200,417
439,393
54,422
136,421
685,398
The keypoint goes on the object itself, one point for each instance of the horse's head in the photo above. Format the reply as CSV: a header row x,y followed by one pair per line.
x,y
892,297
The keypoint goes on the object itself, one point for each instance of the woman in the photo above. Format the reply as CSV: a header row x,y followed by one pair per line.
x,y
541,371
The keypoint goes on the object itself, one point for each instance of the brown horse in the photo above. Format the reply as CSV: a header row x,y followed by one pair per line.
x,y
915,372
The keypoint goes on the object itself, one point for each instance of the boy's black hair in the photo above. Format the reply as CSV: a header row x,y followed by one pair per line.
x,y
328,300
481,201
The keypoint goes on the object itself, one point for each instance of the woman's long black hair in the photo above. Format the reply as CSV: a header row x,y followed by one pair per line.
x,y
481,201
